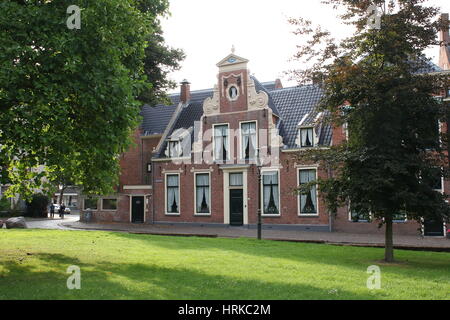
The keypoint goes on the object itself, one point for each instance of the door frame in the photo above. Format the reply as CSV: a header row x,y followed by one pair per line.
x,y
131,205
226,193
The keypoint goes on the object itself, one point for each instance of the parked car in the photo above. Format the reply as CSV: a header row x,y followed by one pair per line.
x,y
66,211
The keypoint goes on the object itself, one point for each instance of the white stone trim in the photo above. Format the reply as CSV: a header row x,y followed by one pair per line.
x,y
226,193
299,168
137,187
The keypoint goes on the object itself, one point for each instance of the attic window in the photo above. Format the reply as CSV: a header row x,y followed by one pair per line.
x,y
174,149
233,93
306,137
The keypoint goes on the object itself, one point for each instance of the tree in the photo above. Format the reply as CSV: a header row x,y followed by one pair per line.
x,y
76,93
377,83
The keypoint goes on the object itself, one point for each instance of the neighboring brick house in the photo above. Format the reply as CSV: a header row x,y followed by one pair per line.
x,y
194,161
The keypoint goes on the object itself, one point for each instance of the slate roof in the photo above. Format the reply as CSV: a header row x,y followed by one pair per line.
x,y
428,66
156,119
296,104
291,105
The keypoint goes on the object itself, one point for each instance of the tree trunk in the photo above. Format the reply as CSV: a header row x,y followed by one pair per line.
x,y
389,241
61,194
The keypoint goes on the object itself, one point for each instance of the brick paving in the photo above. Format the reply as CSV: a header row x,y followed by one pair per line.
x,y
375,240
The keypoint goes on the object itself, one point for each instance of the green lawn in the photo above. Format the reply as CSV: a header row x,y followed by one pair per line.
x,y
33,265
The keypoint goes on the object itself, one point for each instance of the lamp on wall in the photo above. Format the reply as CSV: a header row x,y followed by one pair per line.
x,y
149,167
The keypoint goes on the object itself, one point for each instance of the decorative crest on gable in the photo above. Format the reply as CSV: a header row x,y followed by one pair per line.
x,y
256,100
211,105
232,60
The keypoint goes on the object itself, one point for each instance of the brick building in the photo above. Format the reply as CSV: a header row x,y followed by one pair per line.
x,y
195,160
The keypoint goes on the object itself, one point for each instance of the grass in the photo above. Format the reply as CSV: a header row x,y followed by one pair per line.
x,y
33,265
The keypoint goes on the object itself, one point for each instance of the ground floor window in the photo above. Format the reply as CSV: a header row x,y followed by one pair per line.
x,y
308,200
90,203
109,204
271,192
172,193
202,193
359,217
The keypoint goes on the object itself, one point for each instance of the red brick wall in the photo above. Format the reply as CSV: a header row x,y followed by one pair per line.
x,y
241,103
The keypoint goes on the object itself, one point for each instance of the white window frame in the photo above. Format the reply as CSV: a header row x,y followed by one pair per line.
x,y
165,193
299,195
265,170
300,137
110,198
202,214
241,153
214,142
178,142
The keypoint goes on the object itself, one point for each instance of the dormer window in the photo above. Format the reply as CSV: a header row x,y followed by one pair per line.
x,y
179,143
306,137
174,149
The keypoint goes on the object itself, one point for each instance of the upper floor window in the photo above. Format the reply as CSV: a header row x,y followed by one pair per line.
x,y
306,137
221,147
434,178
249,142
174,149
233,93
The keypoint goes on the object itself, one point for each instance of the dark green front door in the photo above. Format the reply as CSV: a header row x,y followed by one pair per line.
x,y
137,209
236,207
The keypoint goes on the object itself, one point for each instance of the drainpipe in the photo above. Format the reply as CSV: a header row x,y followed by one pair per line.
x,y
330,215
153,191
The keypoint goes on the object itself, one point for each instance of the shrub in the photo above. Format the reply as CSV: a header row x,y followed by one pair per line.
x,y
5,204
37,207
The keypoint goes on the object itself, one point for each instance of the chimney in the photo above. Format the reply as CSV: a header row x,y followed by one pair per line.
x,y
278,84
444,38
185,95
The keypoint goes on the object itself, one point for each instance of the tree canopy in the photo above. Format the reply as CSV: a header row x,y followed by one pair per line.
x,y
381,87
70,98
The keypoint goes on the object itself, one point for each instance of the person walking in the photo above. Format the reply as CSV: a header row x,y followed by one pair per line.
x,y
62,210
52,210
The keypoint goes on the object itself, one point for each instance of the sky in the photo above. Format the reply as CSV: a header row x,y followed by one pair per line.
x,y
206,30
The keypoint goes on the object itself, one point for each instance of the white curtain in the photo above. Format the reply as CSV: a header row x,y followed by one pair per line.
x,y
221,142
308,201
236,179
173,200
270,188
307,137
202,190
249,136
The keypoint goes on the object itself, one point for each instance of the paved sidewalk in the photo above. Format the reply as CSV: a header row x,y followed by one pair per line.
x,y
373,240
55,223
